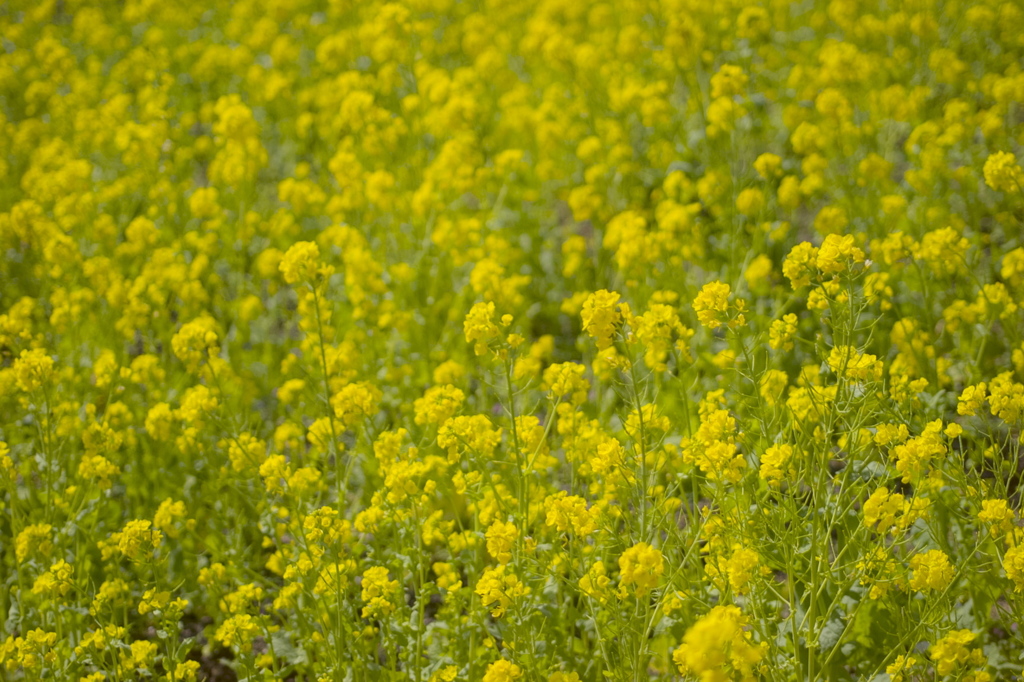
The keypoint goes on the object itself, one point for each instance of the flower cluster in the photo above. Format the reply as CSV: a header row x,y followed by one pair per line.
x,y
538,340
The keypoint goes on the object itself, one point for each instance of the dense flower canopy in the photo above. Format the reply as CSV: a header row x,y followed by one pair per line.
x,y
536,340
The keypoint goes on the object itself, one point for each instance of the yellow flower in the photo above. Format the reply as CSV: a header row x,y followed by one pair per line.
x,y
729,80
712,306
782,332
203,202
768,166
998,516
195,342
932,571
885,512
830,221
846,362
447,576
800,264
355,402
472,434
33,540
501,537
32,369
479,327
502,671
498,590
716,643
98,469
1012,268
837,253
914,457
238,631
153,600
601,316
1006,398
750,201
971,399
713,446
1013,564
776,463
889,434
55,582
446,674
898,669
943,250
640,566
29,652
566,378
301,264
953,651
1002,173
570,513
438,404
881,572
736,571
138,540
595,583
378,593
759,275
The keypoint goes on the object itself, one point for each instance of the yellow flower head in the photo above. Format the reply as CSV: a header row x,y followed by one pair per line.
x,y
641,566
601,316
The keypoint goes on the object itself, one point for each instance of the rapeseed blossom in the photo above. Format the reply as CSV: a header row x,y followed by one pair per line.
x,y
545,340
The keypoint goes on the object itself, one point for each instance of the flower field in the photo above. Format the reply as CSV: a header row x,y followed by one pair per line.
x,y
543,340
